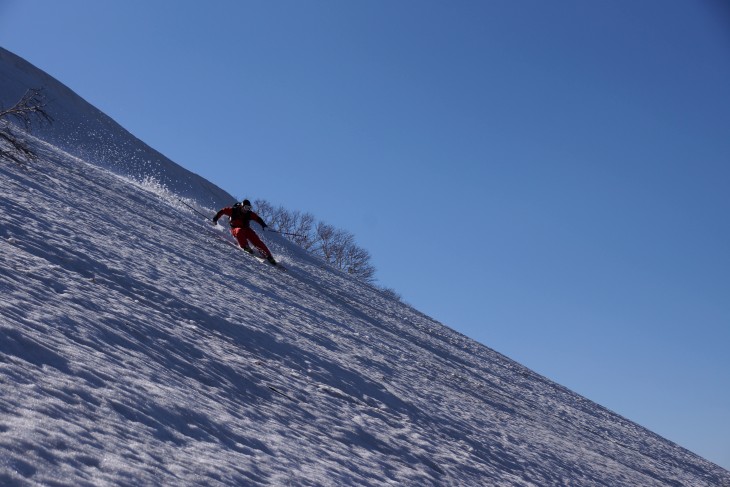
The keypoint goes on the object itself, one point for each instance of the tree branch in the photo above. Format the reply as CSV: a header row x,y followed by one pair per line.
x,y
30,109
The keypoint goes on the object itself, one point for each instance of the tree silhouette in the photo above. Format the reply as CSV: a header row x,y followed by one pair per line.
x,y
26,112
335,246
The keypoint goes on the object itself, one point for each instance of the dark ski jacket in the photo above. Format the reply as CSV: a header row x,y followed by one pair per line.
x,y
239,218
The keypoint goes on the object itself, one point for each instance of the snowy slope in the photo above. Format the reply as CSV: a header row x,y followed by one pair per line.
x,y
82,130
138,348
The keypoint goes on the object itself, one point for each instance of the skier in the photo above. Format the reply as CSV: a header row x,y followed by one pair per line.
x,y
240,215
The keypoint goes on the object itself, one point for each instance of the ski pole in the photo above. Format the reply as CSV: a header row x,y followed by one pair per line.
x,y
287,233
196,211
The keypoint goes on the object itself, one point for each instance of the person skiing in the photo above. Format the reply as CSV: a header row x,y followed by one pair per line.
x,y
240,215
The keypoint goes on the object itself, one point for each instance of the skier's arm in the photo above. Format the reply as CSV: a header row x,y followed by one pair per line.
x,y
225,211
258,220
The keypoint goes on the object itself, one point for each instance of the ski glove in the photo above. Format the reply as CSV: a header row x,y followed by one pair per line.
x,y
215,221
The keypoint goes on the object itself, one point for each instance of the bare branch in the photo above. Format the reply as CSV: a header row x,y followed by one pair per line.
x,y
29,110
336,247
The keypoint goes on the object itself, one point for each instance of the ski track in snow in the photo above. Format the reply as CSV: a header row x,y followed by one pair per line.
x,y
136,348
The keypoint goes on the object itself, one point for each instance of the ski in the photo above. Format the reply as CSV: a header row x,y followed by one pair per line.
x,y
258,256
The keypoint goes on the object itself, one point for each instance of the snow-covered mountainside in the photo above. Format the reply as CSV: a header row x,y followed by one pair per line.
x,y
137,347
83,131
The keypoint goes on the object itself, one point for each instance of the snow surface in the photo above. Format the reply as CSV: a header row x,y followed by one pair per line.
x,y
83,131
139,348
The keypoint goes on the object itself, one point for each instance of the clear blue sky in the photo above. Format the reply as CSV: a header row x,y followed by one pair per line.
x,y
551,179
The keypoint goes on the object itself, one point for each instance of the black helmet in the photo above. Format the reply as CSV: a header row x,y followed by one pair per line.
x,y
246,203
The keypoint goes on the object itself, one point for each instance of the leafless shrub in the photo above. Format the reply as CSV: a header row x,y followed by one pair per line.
x,y
28,111
335,246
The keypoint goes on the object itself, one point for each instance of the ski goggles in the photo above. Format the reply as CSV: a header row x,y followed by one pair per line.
x,y
247,207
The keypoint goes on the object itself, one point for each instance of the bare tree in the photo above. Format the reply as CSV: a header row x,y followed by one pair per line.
x,y
264,209
336,247
302,233
357,263
285,220
339,249
342,242
30,109
323,245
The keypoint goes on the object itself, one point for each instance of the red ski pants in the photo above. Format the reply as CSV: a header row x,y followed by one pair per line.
x,y
245,235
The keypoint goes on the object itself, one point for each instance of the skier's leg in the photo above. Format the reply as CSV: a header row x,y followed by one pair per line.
x,y
241,238
258,243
